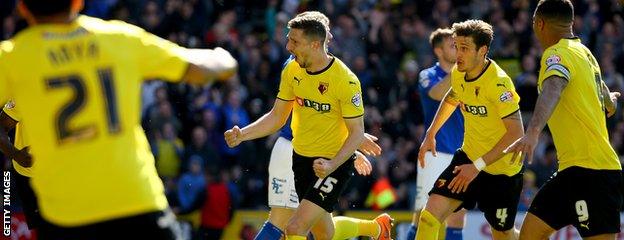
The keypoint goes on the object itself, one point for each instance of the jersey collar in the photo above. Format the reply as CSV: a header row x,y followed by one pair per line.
x,y
480,74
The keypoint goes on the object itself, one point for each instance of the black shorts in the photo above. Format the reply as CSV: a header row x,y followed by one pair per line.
x,y
497,196
322,192
159,225
591,200
28,199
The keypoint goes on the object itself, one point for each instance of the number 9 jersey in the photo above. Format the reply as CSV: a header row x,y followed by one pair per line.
x,y
581,140
78,88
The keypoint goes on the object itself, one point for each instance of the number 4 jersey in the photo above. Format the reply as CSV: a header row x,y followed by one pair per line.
x,y
77,87
578,122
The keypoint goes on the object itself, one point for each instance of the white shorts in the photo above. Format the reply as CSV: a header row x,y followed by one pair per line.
x,y
282,191
434,166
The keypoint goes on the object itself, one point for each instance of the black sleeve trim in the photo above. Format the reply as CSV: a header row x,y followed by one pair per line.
x,y
285,99
514,112
353,116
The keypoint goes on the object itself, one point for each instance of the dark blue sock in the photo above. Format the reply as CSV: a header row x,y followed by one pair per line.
x,y
269,232
454,233
411,233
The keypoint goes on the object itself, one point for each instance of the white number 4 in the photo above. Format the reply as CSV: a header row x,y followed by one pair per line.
x,y
501,214
328,186
581,210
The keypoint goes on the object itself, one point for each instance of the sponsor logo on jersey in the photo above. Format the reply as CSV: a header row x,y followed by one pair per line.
x,y
552,60
319,107
506,96
480,111
356,100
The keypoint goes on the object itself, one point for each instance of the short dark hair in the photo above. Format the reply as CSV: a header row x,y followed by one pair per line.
x,y
47,7
480,31
437,36
557,10
314,24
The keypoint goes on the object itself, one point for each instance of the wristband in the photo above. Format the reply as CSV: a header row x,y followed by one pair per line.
x,y
479,164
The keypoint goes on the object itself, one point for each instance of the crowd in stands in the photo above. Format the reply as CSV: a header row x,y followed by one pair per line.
x,y
385,43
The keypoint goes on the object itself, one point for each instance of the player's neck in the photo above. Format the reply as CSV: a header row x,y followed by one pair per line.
x,y
557,35
477,70
319,62
61,18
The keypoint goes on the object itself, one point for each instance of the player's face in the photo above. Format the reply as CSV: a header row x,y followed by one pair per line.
x,y
468,56
449,54
299,46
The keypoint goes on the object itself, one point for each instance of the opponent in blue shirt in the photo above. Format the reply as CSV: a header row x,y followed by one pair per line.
x,y
433,84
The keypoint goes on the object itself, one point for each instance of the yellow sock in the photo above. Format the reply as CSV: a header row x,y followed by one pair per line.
x,y
428,226
295,237
442,231
347,227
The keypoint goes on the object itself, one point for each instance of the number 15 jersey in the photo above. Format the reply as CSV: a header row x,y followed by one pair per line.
x,y
77,87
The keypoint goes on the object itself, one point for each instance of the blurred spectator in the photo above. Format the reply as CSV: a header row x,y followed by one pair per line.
x,y
217,208
169,151
200,150
529,189
191,195
233,114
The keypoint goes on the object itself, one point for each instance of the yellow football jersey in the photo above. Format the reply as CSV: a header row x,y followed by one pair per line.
x,y
20,138
78,89
578,124
484,102
322,100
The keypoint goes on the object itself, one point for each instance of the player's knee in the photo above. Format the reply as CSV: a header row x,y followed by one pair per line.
x,y
504,235
532,235
456,220
294,227
279,218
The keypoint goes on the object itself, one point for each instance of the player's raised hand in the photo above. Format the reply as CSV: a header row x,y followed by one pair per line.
x,y
362,165
526,144
225,65
233,137
323,167
369,146
428,144
611,108
216,64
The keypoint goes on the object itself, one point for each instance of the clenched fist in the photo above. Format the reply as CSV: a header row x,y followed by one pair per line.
x,y
233,137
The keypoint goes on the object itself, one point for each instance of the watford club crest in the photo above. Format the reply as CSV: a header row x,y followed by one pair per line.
x,y
323,87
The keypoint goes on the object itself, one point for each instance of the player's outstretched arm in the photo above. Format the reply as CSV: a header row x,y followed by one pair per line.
x,y
323,167
544,107
265,125
206,65
439,90
446,108
515,130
